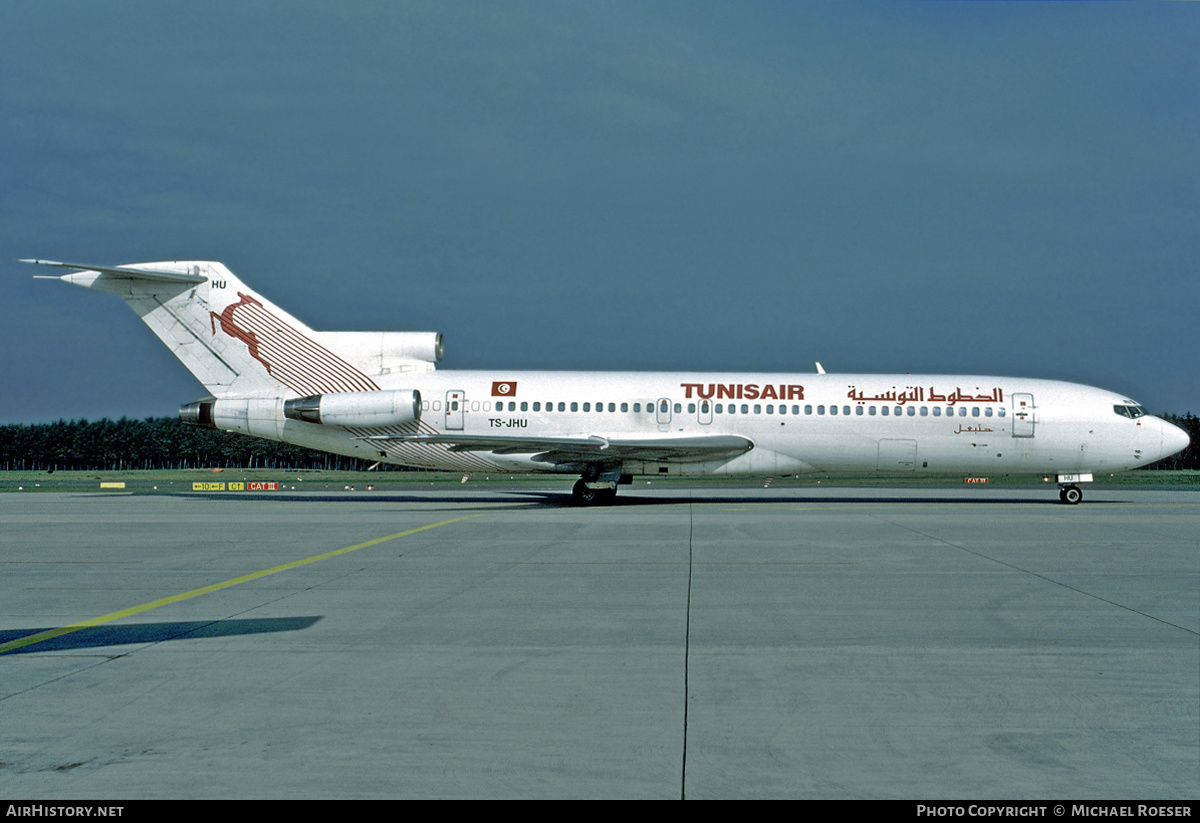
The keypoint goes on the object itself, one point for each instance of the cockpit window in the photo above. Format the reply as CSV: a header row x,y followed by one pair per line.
x,y
1130,411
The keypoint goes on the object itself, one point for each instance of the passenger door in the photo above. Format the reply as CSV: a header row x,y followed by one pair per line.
x,y
1023,413
456,403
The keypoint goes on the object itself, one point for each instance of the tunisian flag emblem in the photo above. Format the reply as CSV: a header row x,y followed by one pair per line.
x,y
504,388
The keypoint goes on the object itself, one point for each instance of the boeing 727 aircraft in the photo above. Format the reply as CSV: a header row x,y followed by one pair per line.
x,y
378,396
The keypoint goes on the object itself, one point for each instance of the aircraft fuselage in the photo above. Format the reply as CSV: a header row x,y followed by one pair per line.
x,y
797,423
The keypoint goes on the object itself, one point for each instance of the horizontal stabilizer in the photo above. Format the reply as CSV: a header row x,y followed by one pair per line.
x,y
126,271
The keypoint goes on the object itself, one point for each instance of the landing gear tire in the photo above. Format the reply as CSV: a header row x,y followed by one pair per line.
x,y
583,495
1071,495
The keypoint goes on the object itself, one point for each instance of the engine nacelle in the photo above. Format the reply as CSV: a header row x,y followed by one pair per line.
x,y
257,416
199,413
366,408
426,346
385,352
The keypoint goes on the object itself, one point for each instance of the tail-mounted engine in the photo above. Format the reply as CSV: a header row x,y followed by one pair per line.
x,y
260,416
368,408
199,413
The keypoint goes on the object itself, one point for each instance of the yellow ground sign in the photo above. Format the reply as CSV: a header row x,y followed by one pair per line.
x,y
236,486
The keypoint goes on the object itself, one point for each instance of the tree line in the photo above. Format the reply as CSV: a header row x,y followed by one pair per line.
x,y
153,443
168,443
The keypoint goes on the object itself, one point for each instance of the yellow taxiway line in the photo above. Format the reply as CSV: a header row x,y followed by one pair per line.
x,y
49,634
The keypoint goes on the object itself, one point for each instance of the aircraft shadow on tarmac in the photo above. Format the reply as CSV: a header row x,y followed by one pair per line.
x,y
141,633
518,498
642,499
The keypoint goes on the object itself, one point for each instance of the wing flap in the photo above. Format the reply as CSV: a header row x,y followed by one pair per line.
x,y
595,448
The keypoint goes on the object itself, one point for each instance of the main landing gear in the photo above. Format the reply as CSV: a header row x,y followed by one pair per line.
x,y
598,487
587,495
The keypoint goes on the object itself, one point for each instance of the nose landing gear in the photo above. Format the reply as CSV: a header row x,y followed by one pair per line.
x,y
1070,494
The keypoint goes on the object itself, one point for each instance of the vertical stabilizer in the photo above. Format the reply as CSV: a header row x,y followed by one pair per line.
x,y
231,339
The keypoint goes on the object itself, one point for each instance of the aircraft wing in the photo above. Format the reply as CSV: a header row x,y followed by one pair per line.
x,y
592,449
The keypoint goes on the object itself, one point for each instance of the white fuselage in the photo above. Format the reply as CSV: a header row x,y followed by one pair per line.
x,y
798,423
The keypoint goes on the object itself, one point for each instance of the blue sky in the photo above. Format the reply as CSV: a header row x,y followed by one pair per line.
x,y
992,188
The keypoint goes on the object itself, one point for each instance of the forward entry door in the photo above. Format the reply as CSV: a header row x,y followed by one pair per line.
x,y
1023,414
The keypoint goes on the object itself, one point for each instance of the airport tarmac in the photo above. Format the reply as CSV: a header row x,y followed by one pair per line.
x,y
799,642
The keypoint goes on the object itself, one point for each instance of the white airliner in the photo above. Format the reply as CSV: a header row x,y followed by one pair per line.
x,y
378,396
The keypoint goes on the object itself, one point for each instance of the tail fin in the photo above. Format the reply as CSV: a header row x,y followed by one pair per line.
x,y
237,343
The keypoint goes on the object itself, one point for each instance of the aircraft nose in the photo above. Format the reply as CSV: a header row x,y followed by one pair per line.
x,y
1174,439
